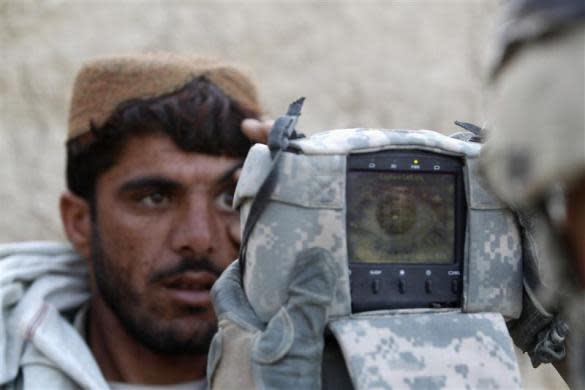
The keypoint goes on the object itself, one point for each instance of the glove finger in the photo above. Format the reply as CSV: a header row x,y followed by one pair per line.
x,y
229,299
271,345
313,277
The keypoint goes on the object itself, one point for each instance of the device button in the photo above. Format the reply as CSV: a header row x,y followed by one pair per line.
x,y
455,286
428,286
402,286
376,286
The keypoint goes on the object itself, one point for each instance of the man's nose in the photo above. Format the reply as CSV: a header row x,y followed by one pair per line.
x,y
193,233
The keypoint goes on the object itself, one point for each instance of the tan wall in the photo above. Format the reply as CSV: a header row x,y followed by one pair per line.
x,y
393,64
388,64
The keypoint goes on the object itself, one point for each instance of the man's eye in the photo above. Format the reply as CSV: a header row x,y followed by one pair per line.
x,y
225,200
155,199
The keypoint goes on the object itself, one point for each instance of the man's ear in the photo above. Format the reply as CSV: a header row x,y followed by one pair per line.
x,y
76,219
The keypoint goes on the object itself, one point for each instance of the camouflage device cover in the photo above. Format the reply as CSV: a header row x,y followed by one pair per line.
x,y
420,347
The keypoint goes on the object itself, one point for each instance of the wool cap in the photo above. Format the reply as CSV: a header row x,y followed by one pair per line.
x,y
103,84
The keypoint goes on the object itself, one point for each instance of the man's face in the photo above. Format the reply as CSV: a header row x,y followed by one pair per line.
x,y
161,237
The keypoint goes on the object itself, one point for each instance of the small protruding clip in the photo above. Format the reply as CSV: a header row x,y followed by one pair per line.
x,y
477,133
284,127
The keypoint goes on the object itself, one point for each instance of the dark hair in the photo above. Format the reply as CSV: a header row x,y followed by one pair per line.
x,y
198,118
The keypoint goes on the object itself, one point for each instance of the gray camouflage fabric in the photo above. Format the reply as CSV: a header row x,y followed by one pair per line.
x,y
344,141
307,212
306,209
428,350
493,273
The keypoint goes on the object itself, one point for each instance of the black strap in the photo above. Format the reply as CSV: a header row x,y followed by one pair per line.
x,y
278,140
257,208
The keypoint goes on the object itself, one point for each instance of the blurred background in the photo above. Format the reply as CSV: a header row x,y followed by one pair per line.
x,y
391,64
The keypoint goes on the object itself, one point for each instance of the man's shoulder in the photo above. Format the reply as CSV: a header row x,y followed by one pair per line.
x,y
28,260
31,248
42,286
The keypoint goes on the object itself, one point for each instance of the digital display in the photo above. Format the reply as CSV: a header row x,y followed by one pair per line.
x,y
401,217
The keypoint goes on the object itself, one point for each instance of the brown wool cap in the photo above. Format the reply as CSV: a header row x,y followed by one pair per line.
x,y
103,83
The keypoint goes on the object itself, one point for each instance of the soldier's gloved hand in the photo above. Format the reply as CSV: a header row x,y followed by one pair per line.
x,y
284,353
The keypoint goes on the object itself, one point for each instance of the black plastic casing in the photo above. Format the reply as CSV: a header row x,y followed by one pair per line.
x,y
379,286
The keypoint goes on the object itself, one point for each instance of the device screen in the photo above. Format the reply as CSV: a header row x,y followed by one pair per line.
x,y
401,217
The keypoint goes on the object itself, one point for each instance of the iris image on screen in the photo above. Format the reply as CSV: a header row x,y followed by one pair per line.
x,y
400,217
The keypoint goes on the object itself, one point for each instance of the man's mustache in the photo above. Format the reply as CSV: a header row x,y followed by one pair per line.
x,y
195,264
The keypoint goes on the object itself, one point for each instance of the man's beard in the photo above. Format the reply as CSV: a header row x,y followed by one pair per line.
x,y
142,325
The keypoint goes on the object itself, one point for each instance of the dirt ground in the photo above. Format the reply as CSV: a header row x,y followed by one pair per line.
x,y
391,64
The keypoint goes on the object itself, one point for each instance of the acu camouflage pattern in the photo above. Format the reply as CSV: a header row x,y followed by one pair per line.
x,y
394,351
492,276
307,209
347,141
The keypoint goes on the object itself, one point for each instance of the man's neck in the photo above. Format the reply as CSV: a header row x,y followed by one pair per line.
x,y
122,358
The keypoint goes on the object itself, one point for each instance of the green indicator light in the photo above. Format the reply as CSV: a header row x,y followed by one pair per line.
x,y
415,162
